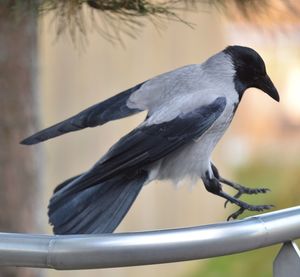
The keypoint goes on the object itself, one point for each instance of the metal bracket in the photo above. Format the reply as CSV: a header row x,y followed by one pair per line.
x,y
287,262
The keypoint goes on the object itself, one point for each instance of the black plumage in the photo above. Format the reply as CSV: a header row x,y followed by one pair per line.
x,y
110,109
85,202
98,209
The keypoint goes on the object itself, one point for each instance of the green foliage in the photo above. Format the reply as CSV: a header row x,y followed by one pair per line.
x,y
256,263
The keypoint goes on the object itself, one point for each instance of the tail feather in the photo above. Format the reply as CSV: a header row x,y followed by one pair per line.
x,y
59,197
84,206
98,209
117,210
65,183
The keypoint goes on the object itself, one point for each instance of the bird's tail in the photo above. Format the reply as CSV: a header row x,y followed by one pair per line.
x,y
97,209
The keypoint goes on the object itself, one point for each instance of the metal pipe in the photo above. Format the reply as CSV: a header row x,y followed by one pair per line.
x,y
153,247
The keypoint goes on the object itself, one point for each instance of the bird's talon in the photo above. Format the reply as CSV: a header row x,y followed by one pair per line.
x,y
236,196
225,204
236,214
261,208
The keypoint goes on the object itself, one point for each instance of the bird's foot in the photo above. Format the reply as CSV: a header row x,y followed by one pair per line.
x,y
256,208
241,189
243,205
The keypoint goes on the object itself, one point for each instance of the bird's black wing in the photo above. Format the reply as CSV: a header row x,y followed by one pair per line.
x,y
110,109
150,143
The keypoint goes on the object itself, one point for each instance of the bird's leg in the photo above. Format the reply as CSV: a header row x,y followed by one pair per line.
x,y
213,185
243,206
241,189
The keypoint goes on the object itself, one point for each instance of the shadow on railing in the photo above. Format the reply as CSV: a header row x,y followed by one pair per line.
x,y
154,247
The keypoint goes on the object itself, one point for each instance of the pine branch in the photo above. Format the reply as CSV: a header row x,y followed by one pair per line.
x,y
127,16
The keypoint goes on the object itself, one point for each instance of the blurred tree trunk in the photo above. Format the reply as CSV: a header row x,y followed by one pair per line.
x,y
20,186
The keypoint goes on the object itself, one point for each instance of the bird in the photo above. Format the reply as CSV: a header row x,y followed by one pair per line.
x,y
188,111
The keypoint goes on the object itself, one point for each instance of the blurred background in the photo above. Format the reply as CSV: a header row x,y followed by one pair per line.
x,y
261,148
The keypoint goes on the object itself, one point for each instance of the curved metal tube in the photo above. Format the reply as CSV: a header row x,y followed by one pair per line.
x,y
153,247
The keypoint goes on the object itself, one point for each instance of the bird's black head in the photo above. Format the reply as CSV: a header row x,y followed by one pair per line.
x,y
250,71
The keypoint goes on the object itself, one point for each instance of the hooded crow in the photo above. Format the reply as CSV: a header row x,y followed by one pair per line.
x,y
189,110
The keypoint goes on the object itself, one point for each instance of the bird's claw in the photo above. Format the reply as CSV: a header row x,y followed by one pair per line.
x,y
245,190
245,206
242,190
241,204
236,196
235,214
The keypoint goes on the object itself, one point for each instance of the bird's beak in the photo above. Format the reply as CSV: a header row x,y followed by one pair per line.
x,y
267,86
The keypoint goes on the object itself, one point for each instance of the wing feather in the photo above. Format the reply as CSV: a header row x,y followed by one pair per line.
x,y
148,144
110,109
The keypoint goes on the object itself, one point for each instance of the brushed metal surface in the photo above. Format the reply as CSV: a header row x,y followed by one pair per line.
x,y
152,247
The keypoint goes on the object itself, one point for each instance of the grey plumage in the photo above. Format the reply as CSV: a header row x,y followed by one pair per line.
x,y
189,110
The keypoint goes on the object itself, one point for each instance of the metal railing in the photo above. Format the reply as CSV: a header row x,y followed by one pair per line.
x,y
154,247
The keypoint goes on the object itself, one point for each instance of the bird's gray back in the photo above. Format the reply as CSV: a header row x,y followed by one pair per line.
x,y
184,89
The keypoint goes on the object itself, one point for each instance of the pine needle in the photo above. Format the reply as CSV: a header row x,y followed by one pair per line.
x,y
117,17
